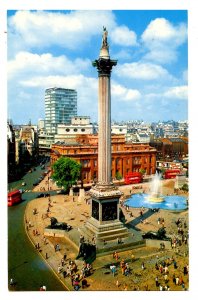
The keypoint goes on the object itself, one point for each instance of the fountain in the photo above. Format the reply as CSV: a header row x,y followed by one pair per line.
x,y
155,199
155,195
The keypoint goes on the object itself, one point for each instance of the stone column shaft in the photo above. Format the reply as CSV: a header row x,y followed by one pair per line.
x,y
104,137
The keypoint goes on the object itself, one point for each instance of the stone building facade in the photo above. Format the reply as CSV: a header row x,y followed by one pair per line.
x,y
125,157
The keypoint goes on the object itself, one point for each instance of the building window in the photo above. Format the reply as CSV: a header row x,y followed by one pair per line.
x,y
75,129
67,129
83,129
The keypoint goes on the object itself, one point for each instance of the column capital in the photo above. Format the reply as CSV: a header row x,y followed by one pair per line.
x,y
104,66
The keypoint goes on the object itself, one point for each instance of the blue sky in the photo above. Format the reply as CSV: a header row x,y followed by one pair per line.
x,y
56,48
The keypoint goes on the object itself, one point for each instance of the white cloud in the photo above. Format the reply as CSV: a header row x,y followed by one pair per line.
x,y
121,35
143,71
162,39
121,93
26,64
177,92
69,30
71,81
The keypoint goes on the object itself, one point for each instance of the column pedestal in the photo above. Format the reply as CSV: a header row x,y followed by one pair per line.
x,y
104,223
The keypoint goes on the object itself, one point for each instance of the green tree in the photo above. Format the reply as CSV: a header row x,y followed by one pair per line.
x,y
66,172
118,176
142,171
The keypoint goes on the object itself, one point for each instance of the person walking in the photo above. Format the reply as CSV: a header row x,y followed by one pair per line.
x,y
156,281
113,269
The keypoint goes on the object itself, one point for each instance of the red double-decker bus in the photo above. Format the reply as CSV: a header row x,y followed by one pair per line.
x,y
14,197
133,177
168,174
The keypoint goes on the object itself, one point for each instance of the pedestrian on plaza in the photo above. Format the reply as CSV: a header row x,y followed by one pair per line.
x,y
113,269
177,280
174,279
185,270
156,281
166,278
46,255
65,256
57,247
59,269
62,262
84,283
122,266
166,270
64,274
175,264
143,266
160,287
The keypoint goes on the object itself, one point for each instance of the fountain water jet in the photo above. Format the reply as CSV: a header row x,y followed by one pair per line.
x,y
155,195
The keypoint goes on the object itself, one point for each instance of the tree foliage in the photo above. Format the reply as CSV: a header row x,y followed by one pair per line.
x,y
66,172
142,171
118,176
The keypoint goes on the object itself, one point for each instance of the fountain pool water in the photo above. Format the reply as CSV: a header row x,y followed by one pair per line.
x,y
156,200
173,202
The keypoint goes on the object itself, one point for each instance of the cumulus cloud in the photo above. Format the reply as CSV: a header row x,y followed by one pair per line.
x,y
122,93
121,35
162,39
69,30
143,71
177,92
26,63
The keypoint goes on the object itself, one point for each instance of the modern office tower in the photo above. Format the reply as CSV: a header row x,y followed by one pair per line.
x,y
60,107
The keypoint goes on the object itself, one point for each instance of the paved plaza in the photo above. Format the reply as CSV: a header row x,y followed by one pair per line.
x,y
146,265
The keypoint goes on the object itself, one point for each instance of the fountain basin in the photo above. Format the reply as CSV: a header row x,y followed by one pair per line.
x,y
173,202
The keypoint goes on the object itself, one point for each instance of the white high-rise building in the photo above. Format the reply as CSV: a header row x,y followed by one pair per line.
x,y
60,107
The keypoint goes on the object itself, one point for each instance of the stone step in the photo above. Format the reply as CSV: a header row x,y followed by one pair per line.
x,y
115,233
110,247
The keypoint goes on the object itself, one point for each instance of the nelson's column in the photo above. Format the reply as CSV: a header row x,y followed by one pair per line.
x,y
104,222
